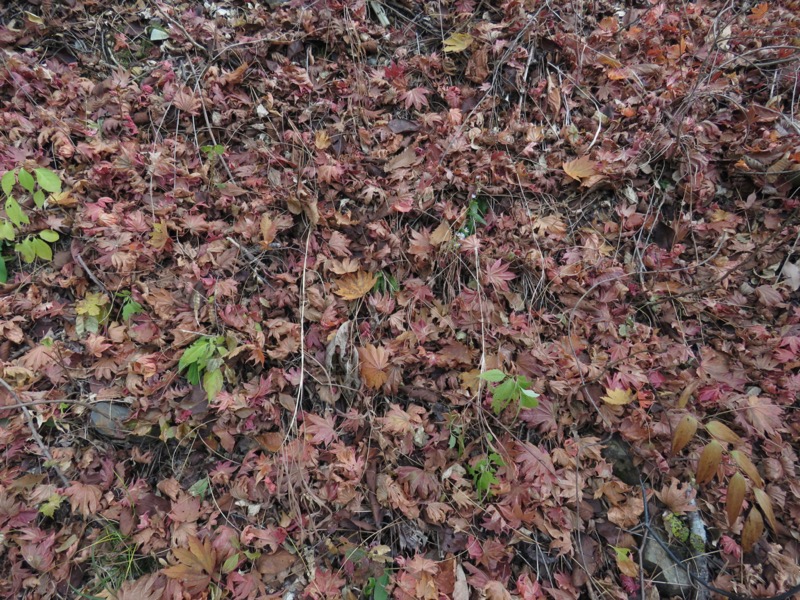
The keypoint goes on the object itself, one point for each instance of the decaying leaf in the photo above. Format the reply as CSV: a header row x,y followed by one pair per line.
x,y
374,365
353,286
746,465
683,433
721,432
753,529
618,397
708,462
765,504
580,168
735,497
458,42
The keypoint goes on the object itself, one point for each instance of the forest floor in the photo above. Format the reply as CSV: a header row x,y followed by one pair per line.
x,y
395,298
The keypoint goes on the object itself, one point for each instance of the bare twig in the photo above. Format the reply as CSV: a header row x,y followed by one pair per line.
x,y
34,431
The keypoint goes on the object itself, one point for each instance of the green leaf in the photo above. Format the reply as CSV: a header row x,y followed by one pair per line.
x,y
158,35
379,592
193,354
38,198
42,249
200,487
25,248
212,383
230,563
130,308
528,399
49,508
493,375
48,235
15,212
26,180
3,270
7,182
48,180
505,391
193,374
7,231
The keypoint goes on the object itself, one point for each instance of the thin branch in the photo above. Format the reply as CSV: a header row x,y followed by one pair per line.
x,y
34,431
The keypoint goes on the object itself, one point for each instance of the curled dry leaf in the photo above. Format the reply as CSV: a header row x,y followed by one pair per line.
x,y
736,490
458,42
683,433
746,465
355,285
721,432
765,503
709,460
752,530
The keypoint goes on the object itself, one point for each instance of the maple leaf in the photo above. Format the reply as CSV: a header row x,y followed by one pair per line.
x,y
458,42
420,483
374,365
618,397
321,429
355,285
195,566
498,275
580,168
764,415
416,97
84,498
147,587
399,422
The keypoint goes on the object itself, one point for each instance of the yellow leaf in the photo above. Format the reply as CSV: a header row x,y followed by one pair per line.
x,y
752,530
766,507
374,365
355,285
684,433
268,230
721,432
580,168
441,234
618,397
736,490
709,460
746,465
322,140
458,42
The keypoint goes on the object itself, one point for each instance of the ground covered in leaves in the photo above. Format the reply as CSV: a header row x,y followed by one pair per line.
x,y
351,299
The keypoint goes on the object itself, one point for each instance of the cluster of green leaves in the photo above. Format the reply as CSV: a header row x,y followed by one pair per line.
x,y
130,307
90,312
510,389
475,211
386,283
203,361
484,473
36,185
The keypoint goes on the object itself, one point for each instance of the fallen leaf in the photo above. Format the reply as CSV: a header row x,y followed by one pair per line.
x,y
618,397
752,530
765,503
735,497
708,462
746,465
721,432
374,365
458,42
353,286
580,168
683,433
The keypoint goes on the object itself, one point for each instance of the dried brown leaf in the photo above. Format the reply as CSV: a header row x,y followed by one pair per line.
x,y
580,168
355,285
709,461
765,503
374,365
683,433
721,432
735,497
752,530
746,465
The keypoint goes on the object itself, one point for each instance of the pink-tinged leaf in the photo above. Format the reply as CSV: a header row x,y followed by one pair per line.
x,y
321,429
498,275
764,415
416,97
420,483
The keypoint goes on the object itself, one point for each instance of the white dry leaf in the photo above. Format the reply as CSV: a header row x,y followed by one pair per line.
x,y
791,275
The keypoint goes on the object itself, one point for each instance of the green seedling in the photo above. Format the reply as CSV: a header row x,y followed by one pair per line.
x,y
511,389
